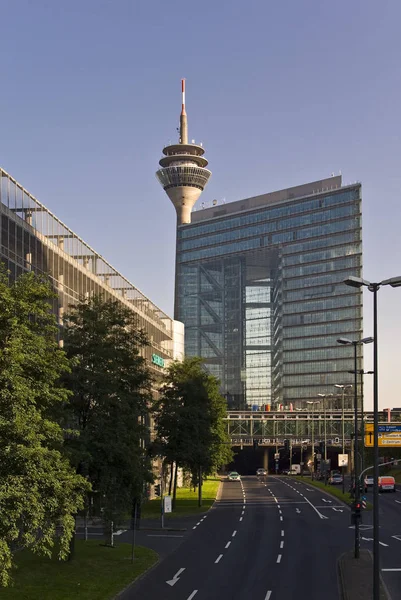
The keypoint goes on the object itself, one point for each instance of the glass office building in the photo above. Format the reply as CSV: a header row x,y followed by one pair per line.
x,y
260,291
34,239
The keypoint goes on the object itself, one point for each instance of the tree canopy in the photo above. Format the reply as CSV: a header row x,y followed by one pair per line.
x,y
189,418
39,491
111,387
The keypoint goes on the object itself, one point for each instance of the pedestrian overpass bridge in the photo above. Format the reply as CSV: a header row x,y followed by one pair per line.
x,y
245,428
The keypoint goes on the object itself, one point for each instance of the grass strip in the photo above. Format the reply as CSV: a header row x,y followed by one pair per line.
x,y
186,502
96,572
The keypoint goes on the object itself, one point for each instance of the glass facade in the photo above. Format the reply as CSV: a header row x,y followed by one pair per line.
x,y
32,238
262,297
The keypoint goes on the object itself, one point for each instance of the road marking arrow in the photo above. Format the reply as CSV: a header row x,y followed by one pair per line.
x,y
367,539
298,511
397,537
176,577
329,501
383,544
337,509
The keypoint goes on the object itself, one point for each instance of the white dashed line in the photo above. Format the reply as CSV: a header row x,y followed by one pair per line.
x,y
234,533
282,533
218,559
281,518
240,518
243,512
227,545
192,595
281,544
269,593
279,558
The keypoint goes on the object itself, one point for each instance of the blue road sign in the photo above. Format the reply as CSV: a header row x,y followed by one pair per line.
x,y
389,428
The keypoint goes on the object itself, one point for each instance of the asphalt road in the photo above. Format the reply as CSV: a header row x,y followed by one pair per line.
x,y
390,538
264,539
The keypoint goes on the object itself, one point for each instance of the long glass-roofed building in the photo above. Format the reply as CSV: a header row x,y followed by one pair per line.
x,y
32,238
260,290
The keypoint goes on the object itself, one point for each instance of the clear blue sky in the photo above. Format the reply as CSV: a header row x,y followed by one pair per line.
x,y
280,93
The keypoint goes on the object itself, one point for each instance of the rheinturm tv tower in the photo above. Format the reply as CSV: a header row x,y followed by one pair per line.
x,y
183,172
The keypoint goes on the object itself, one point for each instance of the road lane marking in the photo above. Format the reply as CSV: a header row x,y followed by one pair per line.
x,y
297,511
176,577
243,512
282,533
280,512
278,505
281,544
234,533
198,523
391,569
281,518
383,544
315,509
227,545
279,558
243,506
398,502
397,537
218,558
192,595
241,518
269,593
194,527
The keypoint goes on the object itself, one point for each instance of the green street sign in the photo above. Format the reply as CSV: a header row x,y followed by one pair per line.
x,y
158,360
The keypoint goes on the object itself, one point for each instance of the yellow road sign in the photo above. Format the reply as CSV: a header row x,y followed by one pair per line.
x,y
389,435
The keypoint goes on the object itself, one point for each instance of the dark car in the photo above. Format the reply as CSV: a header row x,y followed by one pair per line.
x,y
261,472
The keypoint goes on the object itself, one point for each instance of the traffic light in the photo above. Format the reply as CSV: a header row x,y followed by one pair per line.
x,y
356,512
157,489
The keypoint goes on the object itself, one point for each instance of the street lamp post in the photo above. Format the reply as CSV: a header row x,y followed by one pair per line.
x,y
313,402
355,344
374,287
324,396
362,373
343,388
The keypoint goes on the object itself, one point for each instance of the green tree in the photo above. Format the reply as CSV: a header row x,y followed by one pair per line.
x,y
111,387
39,491
190,419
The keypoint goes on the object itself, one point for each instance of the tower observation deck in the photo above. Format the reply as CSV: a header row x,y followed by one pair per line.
x,y
183,172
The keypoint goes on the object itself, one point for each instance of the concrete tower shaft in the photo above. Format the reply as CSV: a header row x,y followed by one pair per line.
x,y
183,172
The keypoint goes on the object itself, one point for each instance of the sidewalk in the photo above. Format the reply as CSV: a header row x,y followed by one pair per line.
x,y
356,577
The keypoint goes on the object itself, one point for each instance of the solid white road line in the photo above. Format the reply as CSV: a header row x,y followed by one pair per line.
x,y
391,569
234,533
218,558
279,558
281,544
227,545
269,593
192,595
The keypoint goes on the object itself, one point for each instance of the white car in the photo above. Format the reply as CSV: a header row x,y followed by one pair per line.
x,y
234,476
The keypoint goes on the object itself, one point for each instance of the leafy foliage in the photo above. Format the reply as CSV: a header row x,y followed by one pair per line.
x,y
189,418
39,491
111,387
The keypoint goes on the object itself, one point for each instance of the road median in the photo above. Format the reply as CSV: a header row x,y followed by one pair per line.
x,y
355,577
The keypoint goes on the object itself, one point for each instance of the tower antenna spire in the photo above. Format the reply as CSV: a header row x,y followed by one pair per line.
x,y
183,117
183,172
